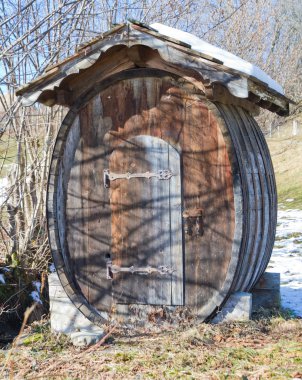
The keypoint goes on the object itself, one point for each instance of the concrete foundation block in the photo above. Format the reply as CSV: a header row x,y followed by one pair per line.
x,y
266,293
85,338
237,308
64,316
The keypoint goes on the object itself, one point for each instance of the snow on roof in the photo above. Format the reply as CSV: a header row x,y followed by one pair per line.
x,y
230,60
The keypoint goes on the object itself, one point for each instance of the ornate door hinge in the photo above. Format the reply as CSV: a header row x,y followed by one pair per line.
x,y
112,269
111,176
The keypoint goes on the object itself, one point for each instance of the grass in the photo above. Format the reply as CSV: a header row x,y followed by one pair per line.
x,y
8,152
279,246
286,152
262,349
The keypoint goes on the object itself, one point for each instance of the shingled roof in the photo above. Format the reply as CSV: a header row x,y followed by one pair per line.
x,y
211,64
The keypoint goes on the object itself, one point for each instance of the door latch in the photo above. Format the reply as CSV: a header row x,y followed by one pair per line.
x,y
112,269
193,222
164,174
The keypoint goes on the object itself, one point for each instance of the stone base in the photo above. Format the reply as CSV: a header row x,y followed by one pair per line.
x,y
85,338
66,318
241,305
266,293
237,308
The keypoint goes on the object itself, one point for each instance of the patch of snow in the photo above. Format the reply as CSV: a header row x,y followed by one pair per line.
x,y
230,60
35,296
287,258
52,268
37,285
3,189
289,200
2,278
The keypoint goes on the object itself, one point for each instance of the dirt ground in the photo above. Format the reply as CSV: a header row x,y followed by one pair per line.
x,y
268,348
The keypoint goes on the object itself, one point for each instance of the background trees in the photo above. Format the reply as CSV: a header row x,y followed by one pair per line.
x,y
37,33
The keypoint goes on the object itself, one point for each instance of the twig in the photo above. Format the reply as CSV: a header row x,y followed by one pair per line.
x,y
27,313
98,344
60,362
226,18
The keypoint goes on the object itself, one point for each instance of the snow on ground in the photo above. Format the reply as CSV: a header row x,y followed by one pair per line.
x,y
228,59
37,285
36,297
287,258
35,294
52,268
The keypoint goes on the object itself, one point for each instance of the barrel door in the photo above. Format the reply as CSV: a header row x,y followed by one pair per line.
x,y
145,263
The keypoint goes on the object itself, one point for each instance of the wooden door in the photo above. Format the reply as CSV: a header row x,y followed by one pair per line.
x,y
146,263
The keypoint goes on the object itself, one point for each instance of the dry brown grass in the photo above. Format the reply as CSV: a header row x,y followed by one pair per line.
x,y
265,349
286,152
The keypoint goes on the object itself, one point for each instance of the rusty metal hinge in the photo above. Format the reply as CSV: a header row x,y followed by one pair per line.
x,y
111,176
112,269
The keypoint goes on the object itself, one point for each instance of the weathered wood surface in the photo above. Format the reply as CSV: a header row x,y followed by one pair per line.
x,y
62,160
146,222
88,208
224,188
259,213
156,107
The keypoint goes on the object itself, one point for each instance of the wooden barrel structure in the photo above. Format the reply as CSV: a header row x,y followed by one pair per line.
x,y
158,194
212,223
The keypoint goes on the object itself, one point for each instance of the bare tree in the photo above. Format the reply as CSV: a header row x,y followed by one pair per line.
x,y
33,35
37,33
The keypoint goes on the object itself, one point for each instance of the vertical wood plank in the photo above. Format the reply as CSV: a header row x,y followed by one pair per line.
x,y
176,231
159,287
75,234
141,222
99,230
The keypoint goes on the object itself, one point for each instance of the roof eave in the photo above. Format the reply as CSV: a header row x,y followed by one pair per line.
x,y
240,85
